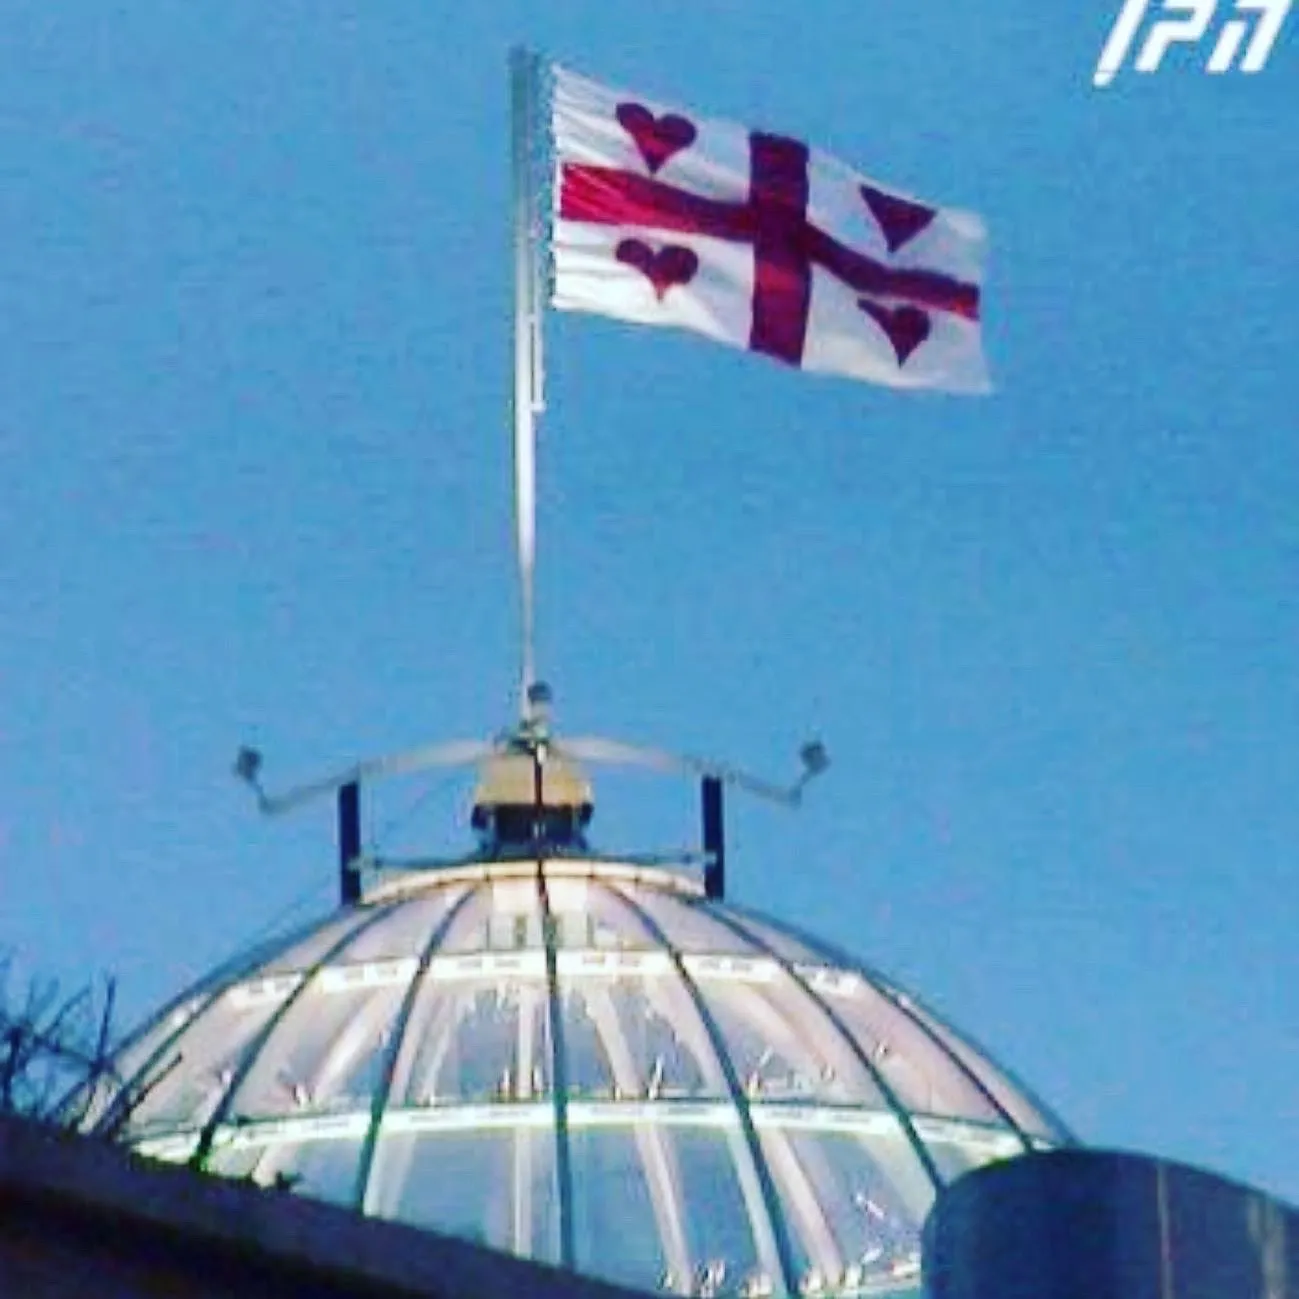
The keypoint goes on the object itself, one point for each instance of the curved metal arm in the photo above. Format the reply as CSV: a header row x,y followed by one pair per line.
x,y
591,748
594,748
455,753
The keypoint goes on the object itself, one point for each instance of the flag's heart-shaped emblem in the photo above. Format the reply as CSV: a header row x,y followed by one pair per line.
x,y
899,219
665,268
657,138
906,327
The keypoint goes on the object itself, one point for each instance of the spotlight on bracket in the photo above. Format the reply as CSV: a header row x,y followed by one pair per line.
x,y
248,767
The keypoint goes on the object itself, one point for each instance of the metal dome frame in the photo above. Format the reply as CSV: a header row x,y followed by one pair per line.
x,y
853,1037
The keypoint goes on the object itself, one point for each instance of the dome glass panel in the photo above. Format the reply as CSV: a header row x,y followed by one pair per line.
x,y
588,1064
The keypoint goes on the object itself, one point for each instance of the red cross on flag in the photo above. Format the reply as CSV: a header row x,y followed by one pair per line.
x,y
759,241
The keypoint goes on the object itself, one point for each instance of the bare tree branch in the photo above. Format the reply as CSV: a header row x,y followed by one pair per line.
x,y
55,1048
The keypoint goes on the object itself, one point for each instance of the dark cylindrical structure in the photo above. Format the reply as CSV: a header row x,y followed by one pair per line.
x,y
349,842
714,838
1077,1224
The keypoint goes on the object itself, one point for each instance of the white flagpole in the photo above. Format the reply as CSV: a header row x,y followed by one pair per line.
x,y
528,306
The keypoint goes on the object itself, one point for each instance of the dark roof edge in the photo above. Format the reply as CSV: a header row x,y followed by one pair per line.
x,y
49,1167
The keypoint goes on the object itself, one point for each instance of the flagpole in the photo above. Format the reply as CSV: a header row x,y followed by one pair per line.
x,y
528,305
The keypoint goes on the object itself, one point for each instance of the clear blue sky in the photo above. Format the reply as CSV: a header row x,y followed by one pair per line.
x,y
254,304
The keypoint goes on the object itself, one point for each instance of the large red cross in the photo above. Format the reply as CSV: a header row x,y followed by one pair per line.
x,y
773,218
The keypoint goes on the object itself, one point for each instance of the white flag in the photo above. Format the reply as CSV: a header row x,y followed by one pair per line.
x,y
666,218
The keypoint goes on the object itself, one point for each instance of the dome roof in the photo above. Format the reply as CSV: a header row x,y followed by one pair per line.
x,y
589,1064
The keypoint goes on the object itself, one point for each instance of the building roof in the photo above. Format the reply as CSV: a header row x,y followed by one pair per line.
x,y
85,1216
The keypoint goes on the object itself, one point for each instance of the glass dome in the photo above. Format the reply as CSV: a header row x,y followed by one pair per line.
x,y
589,1063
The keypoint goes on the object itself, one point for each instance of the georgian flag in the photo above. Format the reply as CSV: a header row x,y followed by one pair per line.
x,y
756,240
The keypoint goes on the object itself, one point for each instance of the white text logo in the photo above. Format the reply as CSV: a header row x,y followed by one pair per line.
x,y
1258,20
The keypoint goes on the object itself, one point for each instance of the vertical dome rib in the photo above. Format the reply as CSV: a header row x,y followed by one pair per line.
x,y
901,1003
662,1174
806,1209
1059,1132
918,1147
884,989
134,1088
216,983
758,1165
522,1209
383,1092
254,1048
558,1070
